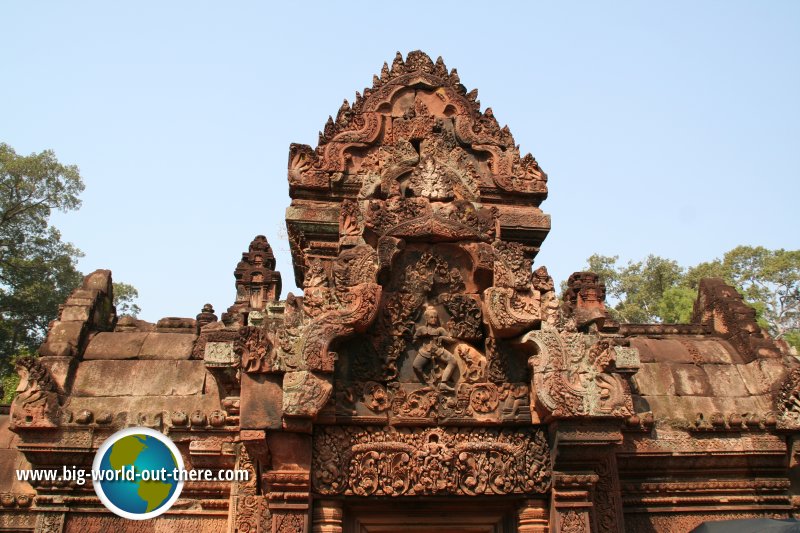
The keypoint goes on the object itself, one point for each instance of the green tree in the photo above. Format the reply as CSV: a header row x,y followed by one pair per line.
x,y
124,296
635,290
37,269
769,280
660,290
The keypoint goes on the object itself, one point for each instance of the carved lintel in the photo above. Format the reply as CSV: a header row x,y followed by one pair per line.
x,y
391,462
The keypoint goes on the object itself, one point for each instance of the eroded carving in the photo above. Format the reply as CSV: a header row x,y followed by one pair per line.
x,y
38,404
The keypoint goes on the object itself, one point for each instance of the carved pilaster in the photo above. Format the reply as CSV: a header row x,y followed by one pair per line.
x,y
247,505
327,517
532,516
589,448
288,499
572,509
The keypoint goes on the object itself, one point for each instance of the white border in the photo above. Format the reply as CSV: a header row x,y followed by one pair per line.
x,y
98,458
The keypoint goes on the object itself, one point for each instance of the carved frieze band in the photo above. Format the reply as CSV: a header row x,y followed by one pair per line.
x,y
368,461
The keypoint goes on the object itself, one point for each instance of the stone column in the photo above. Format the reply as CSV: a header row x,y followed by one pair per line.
x,y
327,517
532,516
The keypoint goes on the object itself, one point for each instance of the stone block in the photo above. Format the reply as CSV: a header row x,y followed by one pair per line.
x,y
219,354
712,351
261,401
63,339
671,350
79,313
680,408
775,372
646,354
167,346
626,359
757,405
115,345
690,380
655,379
664,350
725,381
61,369
99,280
289,451
753,378
139,378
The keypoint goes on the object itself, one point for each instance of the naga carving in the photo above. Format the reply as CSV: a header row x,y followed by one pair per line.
x,y
574,375
38,404
787,401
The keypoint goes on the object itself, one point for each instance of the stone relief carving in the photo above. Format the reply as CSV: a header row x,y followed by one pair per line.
x,y
395,462
787,401
574,374
38,404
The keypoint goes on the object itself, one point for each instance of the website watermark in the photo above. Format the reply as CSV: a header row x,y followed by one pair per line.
x,y
138,473
81,475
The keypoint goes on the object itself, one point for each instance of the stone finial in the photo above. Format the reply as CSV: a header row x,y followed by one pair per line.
x,y
257,282
206,316
584,300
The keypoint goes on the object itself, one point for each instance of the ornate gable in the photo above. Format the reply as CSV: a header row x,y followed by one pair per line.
x,y
413,158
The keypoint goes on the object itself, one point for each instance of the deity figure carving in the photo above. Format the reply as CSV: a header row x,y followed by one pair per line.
x,y
432,336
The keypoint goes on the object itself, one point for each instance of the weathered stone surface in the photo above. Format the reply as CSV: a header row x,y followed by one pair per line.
x,y
655,379
113,345
61,370
305,393
167,346
262,401
690,380
139,378
725,381
219,353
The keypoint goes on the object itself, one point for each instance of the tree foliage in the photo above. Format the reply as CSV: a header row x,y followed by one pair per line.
x,y
37,269
124,296
660,290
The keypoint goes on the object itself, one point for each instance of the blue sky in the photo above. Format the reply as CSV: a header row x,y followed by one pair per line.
x,y
670,128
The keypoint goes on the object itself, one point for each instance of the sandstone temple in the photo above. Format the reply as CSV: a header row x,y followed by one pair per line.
x,y
431,377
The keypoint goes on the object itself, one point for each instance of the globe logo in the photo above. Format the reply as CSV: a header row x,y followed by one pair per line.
x,y
136,473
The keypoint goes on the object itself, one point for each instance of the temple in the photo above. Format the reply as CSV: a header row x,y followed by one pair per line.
x,y
429,379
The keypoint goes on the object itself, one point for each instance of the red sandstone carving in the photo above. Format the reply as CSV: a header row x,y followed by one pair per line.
x,y
426,358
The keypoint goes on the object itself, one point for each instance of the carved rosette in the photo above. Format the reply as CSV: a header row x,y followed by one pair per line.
x,y
574,374
404,462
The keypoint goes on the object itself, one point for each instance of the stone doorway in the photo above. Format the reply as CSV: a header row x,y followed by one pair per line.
x,y
426,516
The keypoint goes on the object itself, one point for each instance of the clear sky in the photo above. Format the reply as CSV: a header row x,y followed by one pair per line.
x,y
670,128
